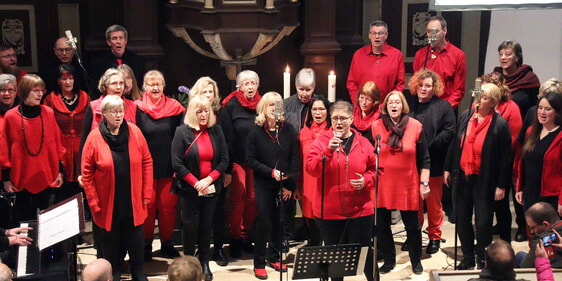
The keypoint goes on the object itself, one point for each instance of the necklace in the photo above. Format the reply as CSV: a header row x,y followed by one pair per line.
x,y
551,130
25,138
69,101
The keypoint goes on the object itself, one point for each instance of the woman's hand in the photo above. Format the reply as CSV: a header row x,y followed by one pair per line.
x,y
558,244
80,182
424,191
540,252
58,182
278,175
203,184
358,183
9,187
519,197
446,177
500,194
17,230
334,143
297,194
286,194
19,240
227,179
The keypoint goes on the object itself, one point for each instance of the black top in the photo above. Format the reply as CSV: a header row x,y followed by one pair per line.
x,y
108,60
266,151
533,166
159,134
236,122
118,144
439,124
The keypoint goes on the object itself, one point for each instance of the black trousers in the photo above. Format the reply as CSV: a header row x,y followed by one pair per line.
x,y
122,238
386,241
479,199
267,226
346,231
503,215
219,221
197,220
26,205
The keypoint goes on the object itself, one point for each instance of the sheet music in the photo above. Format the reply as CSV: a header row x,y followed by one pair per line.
x,y
58,224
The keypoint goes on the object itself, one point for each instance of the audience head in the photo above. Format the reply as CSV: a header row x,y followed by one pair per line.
x,y
5,273
510,55
541,217
131,85
248,82
426,84
116,37
65,79
199,113
498,79
112,82
318,112
208,88
551,85
186,268
8,60
378,33
500,260
98,270
8,89
266,106
63,50
31,89
305,82
368,97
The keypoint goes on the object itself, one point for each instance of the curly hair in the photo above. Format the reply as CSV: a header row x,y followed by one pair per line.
x,y
417,80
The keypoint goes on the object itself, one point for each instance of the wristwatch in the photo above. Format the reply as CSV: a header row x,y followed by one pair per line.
x,y
425,183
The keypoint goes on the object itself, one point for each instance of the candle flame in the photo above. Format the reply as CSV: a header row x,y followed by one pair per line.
x,y
287,69
332,72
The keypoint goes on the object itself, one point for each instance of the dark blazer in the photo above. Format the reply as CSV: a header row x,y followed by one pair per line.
x,y
183,165
495,168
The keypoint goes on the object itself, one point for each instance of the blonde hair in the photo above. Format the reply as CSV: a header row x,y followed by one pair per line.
x,y
191,114
405,106
104,80
265,100
201,84
111,102
492,91
135,91
27,83
153,74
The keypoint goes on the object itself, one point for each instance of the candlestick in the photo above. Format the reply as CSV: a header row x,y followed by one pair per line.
x,y
332,87
287,83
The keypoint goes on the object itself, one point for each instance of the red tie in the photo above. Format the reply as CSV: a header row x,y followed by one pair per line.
x,y
119,61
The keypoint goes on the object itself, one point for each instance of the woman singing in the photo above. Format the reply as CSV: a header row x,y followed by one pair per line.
x,y
366,110
349,180
200,158
117,176
405,181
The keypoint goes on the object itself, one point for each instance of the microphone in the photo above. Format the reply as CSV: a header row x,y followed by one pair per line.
x,y
278,111
378,148
433,38
71,39
339,135
477,94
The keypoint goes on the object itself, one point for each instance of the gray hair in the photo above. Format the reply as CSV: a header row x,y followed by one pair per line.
x,y
379,23
111,102
102,85
6,79
342,105
114,28
305,78
246,75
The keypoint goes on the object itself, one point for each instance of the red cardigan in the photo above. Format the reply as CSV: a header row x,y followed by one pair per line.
x,y
551,171
341,200
98,175
33,173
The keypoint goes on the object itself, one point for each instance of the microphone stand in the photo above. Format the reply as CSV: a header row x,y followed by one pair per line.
x,y
376,273
83,69
280,202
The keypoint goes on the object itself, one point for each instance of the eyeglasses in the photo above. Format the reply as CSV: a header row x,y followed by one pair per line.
x,y
380,33
342,119
117,112
64,50
8,56
154,85
532,228
10,91
115,84
394,103
318,110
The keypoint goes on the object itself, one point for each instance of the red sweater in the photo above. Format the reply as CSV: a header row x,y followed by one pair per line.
x,y
98,175
33,173
386,70
341,200
70,124
450,64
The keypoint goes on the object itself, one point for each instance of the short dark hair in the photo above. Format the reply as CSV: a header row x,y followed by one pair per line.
x,y
326,103
516,47
60,71
27,83
542,211
4,47
440,19
379,23
500,260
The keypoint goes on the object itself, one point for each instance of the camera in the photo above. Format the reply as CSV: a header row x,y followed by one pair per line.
x,y
549,239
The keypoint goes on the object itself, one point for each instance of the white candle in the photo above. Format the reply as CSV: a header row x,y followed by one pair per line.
x,y
332,87
209,4
287,83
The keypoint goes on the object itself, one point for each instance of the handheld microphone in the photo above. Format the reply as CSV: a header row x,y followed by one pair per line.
x,y
71,39
378,148
339,135
477,94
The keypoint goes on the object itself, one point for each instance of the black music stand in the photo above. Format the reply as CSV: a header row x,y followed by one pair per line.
x,y
329,261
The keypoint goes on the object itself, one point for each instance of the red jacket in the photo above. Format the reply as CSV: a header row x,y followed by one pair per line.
x,y
70,124
33,173
98,175
552,170
341,200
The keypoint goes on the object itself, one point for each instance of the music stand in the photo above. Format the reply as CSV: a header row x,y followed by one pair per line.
x,y
329,261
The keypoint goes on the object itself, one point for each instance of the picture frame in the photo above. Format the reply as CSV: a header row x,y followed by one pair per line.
x,y
18,29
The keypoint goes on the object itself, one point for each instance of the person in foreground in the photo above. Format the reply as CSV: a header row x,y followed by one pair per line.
x,y
5,273
348,209
542,262
98,270
499,263
117,175
186,268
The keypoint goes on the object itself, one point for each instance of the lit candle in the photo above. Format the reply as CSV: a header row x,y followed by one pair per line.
x,y
332,87
287,82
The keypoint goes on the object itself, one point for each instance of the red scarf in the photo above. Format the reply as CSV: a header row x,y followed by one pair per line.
x,y
165,108
472,151
364,123
83,101
316,129
250,104
522,78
